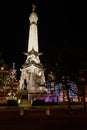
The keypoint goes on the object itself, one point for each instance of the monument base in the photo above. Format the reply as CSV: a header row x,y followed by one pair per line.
x,y
24,103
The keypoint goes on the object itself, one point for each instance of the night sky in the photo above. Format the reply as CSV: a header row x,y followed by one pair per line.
x,y
62,31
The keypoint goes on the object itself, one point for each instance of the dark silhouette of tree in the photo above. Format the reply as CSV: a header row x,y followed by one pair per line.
x,y
82,88
66,82
1,60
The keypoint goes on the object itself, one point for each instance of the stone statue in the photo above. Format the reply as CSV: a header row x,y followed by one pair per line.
x,y
33,7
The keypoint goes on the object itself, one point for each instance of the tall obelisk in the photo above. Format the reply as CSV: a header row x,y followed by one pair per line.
x,y
33,35
32,72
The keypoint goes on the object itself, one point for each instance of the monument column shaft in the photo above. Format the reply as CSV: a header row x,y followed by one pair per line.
x,y
33,38
33,33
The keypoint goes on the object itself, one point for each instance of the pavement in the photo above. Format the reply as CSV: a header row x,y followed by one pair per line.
x,y
34,119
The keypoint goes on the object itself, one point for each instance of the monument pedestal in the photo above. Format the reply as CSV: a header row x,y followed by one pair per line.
x,y
24,100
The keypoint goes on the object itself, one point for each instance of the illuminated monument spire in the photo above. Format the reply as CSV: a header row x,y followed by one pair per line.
x,y
33,35
32,73
33,53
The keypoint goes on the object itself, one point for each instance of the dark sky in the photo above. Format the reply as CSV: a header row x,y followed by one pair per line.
x,y
62,30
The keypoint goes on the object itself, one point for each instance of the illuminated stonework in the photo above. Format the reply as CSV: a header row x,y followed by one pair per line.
x,y
32,72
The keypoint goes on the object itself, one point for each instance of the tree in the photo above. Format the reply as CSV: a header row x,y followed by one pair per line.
x,y
82,85
66,82
1,60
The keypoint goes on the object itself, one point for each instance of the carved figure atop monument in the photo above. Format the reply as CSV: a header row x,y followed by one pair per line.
x,y
33,7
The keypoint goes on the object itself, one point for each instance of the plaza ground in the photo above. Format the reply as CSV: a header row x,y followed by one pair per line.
x,y
37,119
